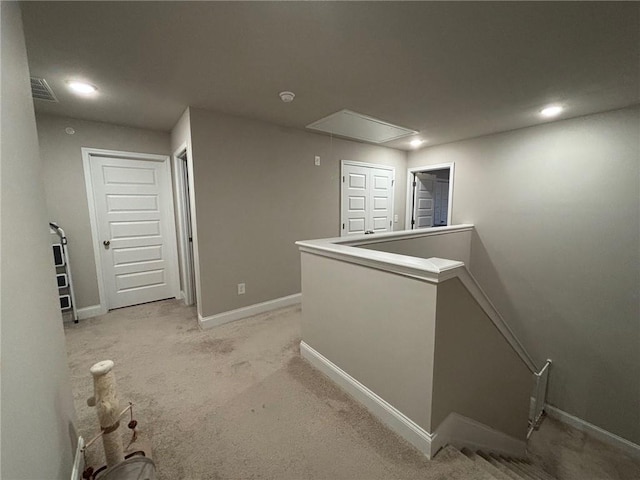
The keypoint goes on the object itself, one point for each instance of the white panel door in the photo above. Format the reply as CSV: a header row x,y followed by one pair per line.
x,y
423,200
381,194
366,199
134,217
441,202
356,186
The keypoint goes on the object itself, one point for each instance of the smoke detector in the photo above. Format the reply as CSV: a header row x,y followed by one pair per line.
x,y
287,97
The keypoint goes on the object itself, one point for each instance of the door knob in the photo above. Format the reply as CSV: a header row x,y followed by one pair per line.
x,y
106,243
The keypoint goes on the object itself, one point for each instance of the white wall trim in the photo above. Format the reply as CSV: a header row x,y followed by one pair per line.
x,y
345,249
87,154
380,408
93,221
90,312
358,240
244,312
628,447
194,220
181,215
461,432
426,168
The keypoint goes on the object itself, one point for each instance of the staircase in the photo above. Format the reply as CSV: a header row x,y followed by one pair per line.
x,y
483,466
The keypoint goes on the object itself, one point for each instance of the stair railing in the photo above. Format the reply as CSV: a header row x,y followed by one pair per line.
x,y
539,396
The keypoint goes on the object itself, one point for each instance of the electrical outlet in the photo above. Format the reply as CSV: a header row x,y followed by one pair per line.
x,y
317,160
241,287
395,218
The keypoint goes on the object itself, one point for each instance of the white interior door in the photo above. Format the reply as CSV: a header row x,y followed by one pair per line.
x,y
136,229
381,194
355,199
366,198
441,202
423,202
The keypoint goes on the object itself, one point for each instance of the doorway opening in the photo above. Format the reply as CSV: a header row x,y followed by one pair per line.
x,y
185,226
429,196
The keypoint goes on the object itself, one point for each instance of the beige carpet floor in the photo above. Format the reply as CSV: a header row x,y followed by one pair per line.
x,y
238,402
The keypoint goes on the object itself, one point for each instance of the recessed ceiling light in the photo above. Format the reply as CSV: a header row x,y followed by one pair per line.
x,y
416,142
551,111
81,88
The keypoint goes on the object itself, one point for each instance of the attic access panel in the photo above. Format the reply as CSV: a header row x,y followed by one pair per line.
x,y
346,123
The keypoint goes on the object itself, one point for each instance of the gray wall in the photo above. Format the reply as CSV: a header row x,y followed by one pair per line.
x,y
384,338
476,372
38,417
257,191
65,188
556,209
452,246
181,132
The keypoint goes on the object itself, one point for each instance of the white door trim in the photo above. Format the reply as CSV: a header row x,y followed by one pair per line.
x,y
87,154
368,165
183,240
194,222
427,168
194,226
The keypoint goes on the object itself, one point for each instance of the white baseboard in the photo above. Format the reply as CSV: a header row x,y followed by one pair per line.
x,y
604,436
244,312
380,408
92,311
461,432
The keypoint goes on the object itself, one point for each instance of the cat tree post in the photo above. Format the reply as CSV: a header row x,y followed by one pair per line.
x,y
105,399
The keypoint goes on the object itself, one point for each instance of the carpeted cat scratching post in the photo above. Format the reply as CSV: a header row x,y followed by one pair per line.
x,y
105,399
121,465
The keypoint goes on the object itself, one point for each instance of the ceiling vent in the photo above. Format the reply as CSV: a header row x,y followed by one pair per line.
x,y
40,90
346,123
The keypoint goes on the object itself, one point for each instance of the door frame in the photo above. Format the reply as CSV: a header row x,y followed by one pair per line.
x,y
189,295
87,154
368,165
424,169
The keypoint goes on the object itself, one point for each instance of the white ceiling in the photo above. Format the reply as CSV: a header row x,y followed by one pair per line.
x,y
451,70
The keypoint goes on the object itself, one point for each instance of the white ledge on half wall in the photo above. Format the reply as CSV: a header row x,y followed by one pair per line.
x,y
345,248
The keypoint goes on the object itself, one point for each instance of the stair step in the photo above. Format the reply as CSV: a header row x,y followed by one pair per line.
x,y
519,469
544,475
477,473
488,466
507,471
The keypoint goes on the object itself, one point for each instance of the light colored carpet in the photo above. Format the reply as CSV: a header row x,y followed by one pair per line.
x,y
238,402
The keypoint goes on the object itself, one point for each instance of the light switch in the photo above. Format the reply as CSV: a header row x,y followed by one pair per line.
x,y
317,160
